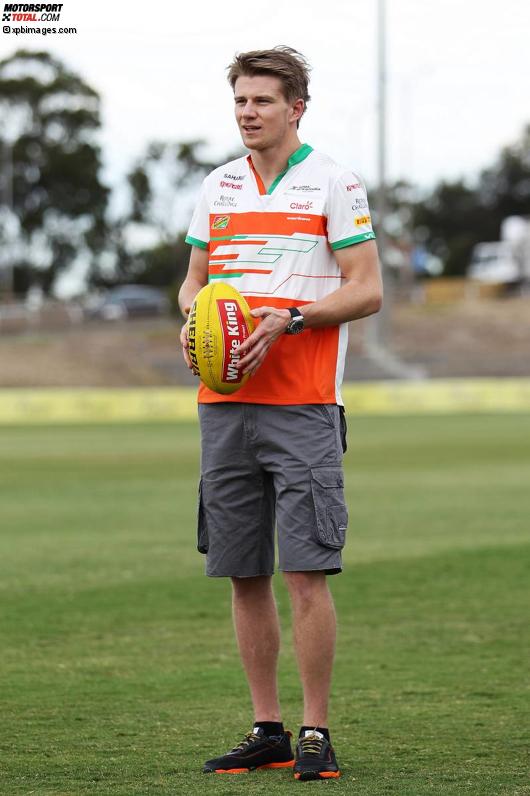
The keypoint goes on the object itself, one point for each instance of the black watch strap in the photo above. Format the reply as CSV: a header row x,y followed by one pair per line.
x,y
295,313
296,324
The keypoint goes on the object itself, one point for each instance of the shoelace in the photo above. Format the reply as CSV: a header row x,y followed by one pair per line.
x,y
311,745
249,738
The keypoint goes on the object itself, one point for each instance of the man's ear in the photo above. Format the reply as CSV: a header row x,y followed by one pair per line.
x,y
297,110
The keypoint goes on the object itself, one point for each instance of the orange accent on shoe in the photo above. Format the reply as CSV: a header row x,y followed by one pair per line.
x,y
322,774
232,770
288,764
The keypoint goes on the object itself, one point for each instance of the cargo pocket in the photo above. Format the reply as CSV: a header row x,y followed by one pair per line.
x,y
331,514
202,530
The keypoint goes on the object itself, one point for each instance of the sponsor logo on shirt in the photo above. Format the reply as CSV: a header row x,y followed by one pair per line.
x,y
300,206
225,201
359,222
304,188
234,186
220,222
353,187
359,204
234,177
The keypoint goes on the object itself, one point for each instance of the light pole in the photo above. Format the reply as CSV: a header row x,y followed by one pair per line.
x,y
378,326
381,204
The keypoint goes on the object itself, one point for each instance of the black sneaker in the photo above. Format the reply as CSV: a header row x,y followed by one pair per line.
x,y
315,758
256,750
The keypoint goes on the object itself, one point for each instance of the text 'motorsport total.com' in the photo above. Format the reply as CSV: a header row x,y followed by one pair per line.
x,y
31,18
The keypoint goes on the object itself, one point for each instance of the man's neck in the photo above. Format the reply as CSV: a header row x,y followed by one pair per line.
x,y
271,162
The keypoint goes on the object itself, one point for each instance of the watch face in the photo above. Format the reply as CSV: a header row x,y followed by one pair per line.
x,y
296,326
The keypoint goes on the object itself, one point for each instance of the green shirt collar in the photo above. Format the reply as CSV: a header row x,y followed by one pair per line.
x,y
297,157
300,154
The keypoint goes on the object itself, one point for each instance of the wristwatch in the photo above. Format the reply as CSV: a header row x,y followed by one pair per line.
x,y
296,324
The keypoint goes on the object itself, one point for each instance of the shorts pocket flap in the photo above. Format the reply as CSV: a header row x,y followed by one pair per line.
x,y
328,477
331,514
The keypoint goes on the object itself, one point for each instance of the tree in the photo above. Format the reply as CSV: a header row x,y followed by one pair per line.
x,y
451,221
457,216
159,184
505,186
162,265
50,186
161,197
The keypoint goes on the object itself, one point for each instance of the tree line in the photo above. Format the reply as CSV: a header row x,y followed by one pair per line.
x,y
55,208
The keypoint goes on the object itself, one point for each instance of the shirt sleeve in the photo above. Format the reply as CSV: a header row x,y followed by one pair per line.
x,y
199,229
348,215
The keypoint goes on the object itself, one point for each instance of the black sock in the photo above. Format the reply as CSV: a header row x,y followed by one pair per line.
x,y
270,727
322,730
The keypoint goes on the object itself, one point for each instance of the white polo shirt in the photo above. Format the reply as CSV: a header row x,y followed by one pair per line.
x,y
276,247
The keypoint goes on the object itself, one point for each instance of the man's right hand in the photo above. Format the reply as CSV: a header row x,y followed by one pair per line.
x,y
185,345
197,277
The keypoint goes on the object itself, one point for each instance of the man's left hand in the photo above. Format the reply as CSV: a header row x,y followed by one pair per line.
x,y
254,350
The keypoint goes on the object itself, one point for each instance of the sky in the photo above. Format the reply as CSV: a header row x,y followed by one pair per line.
x,y
457,75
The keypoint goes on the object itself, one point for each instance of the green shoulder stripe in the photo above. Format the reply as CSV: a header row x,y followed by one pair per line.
x,y
341,244
195,242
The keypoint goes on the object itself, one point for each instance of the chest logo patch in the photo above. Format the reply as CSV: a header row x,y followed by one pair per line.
x,y
220,222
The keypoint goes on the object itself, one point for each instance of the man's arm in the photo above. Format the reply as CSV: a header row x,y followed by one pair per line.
x,y
196,278
360,295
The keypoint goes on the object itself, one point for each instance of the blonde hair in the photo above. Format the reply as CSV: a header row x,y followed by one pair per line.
x,y
288,65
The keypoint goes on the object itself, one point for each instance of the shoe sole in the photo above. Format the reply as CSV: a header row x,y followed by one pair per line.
x,y
305,776
287,764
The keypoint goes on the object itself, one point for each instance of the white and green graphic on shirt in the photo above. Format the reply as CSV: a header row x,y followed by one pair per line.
x,y
255,253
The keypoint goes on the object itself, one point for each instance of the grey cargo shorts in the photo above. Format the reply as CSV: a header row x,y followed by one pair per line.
x,y
263,466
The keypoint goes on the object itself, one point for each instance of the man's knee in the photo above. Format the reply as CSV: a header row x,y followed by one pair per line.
x,y
251,587
306,587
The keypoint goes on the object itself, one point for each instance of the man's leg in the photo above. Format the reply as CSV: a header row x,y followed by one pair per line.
x,y
258,636
314,632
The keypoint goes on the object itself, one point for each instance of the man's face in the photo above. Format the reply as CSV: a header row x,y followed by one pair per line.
x,y
262,112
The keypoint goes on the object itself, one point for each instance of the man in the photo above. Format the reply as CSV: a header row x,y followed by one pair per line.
x,y
291,230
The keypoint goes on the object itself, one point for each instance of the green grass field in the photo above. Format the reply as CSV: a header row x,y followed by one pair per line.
x,y
119,673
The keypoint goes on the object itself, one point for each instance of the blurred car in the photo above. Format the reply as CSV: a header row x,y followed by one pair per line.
x,y
128,301
505,261
493,262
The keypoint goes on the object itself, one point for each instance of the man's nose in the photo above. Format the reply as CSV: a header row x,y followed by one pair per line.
x,y
249,109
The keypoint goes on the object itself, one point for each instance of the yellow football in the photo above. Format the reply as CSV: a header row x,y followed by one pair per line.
x,y
219,321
